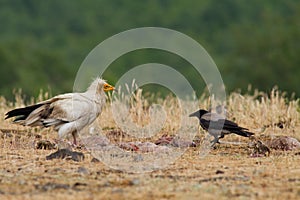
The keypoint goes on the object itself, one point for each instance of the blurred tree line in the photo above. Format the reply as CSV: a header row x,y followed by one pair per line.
x,y
43,43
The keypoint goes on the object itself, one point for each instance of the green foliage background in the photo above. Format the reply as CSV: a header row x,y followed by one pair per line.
x,y
42,43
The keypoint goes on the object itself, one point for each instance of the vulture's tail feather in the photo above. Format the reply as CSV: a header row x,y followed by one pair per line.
x,y
21,113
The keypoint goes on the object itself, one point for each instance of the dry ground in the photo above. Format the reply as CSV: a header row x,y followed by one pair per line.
x,y
228,171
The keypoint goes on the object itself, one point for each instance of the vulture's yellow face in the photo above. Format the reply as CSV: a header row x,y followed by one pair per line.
x,y
107,87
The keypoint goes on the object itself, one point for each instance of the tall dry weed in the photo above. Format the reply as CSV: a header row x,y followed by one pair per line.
x,y
262,113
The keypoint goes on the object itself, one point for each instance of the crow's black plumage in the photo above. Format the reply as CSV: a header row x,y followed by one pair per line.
x,y
217,126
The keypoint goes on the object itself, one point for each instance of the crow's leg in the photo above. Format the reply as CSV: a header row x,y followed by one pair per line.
x,y
214,141
222,135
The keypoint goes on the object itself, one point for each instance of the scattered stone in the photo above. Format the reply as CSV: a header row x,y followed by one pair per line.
x,y
117,190
46,145
66,154
220,172
22,182
143,147
52,186
107,184
6,135
135,181
294,179
64,145
11,132
95,160
79,186
226,178
95,142
82,170
138,158
37,136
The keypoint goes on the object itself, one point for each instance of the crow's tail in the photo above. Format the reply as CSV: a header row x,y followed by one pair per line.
x,y
243,133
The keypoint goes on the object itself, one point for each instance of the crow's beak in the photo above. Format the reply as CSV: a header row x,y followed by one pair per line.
x,y
193,114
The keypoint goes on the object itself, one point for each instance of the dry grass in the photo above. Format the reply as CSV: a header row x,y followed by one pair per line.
x,y
226,172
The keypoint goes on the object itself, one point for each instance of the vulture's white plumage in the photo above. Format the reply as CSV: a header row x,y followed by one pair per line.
x,y
67,113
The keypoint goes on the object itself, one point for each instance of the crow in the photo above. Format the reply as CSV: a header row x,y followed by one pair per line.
x,y
218,126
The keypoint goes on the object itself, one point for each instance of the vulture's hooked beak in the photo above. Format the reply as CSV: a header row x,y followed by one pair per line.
x,y
108,87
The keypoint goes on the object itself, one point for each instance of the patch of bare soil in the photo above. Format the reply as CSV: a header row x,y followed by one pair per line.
x,y
263,167
228,171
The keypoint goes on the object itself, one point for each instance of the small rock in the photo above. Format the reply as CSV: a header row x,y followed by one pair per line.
x,y
138,158
117,190
45,144
66,153
52,186
79,186
95,160
82,170
220,172
95,142
37,136
6,134
135,182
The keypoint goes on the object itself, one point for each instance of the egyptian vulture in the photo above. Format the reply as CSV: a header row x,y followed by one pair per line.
x,y
67,113
213,123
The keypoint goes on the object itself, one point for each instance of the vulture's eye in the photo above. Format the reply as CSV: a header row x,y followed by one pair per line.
x,y
108,87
